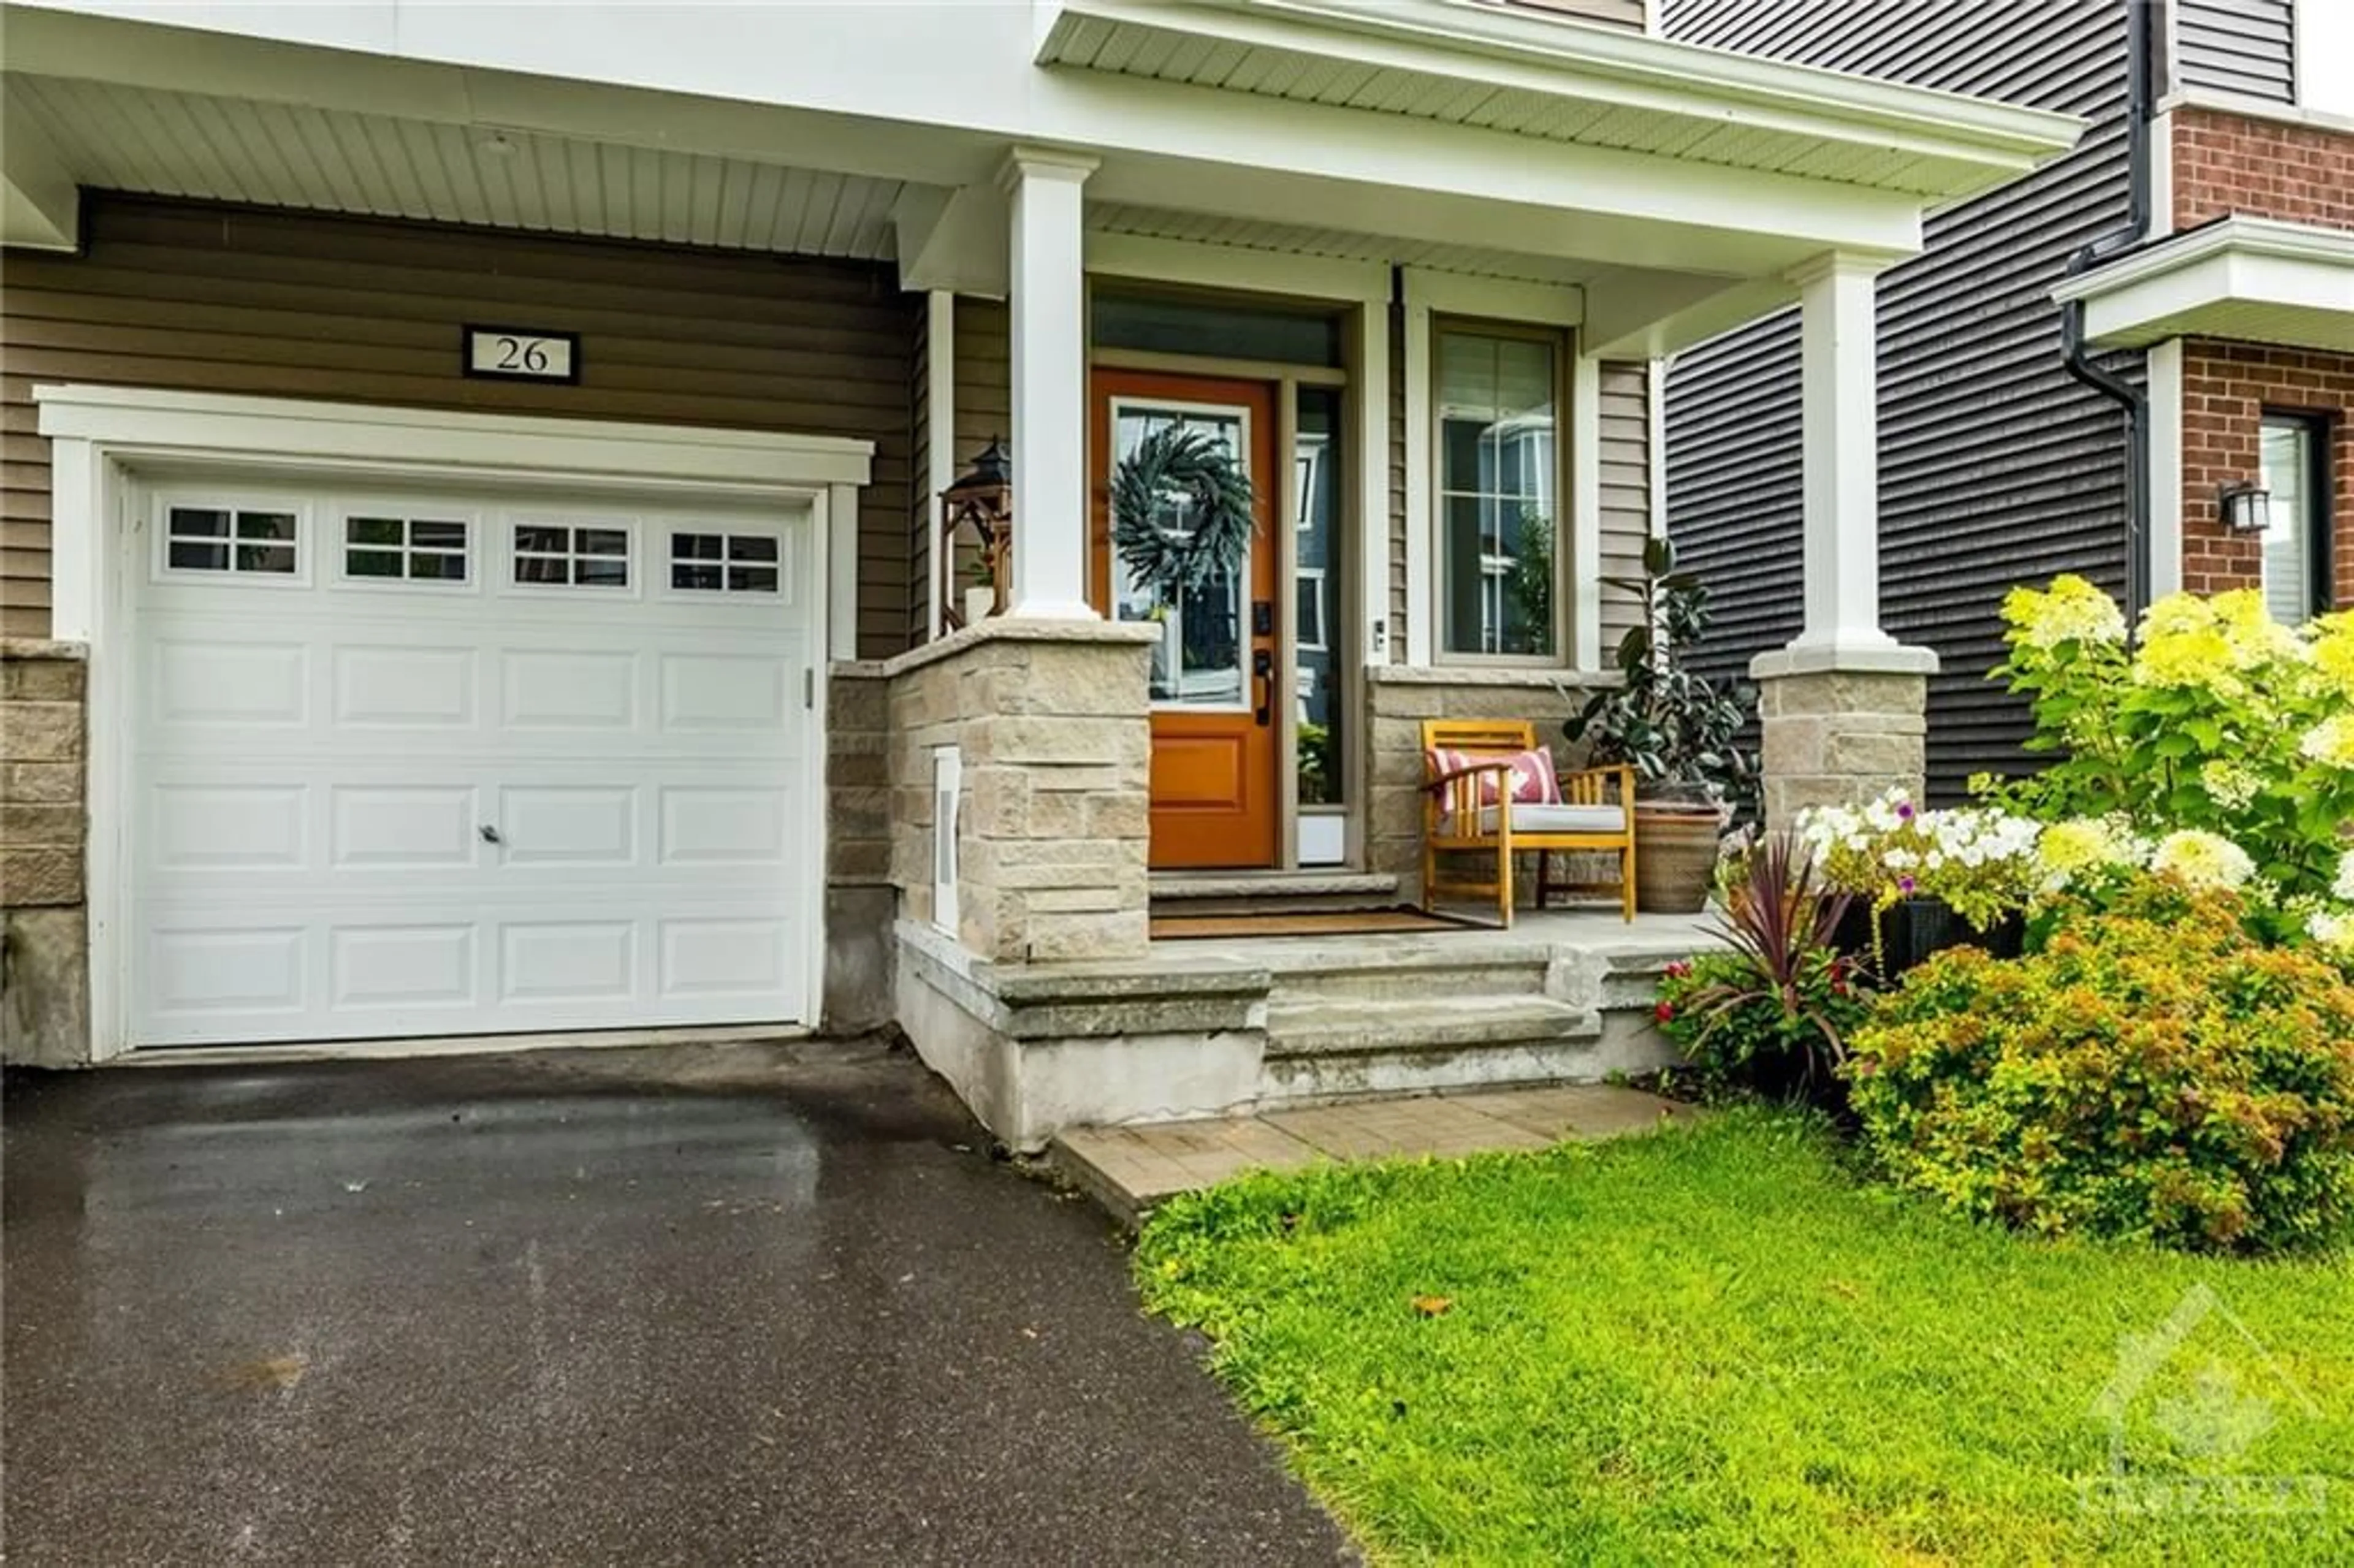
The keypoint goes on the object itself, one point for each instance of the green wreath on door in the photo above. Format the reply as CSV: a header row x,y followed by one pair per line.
x,y
1177,464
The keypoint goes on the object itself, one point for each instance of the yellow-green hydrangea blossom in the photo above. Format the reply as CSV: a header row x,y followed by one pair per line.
x,y
2065,850
2229,785
2203,859
2331,742
2071,610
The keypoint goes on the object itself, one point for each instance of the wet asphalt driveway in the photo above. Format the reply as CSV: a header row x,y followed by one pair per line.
x,y
696,1305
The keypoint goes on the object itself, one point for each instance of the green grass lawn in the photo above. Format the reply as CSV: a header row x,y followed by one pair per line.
x,y
1716,1344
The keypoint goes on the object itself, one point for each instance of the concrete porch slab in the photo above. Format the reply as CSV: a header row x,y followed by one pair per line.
x,y
1130,1169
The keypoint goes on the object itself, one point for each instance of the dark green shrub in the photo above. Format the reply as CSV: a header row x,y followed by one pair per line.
x,y
2152,1071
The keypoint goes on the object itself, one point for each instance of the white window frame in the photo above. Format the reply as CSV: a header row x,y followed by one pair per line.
x,y
630,526
1468,302
181,497
662,546
333,527
103,438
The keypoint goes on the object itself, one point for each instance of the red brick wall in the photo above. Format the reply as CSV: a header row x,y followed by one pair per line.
x,y
2226,164
2227,388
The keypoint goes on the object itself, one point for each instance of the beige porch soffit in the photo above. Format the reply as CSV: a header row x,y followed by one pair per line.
x,y
115,136
1346,245
2243,278
1553,78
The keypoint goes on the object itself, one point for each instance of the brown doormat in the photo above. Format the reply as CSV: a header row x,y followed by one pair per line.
x,y
1324,923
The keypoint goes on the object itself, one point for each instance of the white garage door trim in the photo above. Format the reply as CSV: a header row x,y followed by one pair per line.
x,y
103,436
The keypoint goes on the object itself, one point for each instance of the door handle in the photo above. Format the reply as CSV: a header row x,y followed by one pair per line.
x,y
491,834
1263,674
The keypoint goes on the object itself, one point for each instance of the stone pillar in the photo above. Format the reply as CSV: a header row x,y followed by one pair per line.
x,y
44,932
1843,706
1051,723
1049,351
1840,737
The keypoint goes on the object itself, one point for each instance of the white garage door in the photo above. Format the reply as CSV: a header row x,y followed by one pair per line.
x,y
424,763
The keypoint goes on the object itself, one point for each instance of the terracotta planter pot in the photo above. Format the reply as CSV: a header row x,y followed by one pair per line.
x,y
1675,856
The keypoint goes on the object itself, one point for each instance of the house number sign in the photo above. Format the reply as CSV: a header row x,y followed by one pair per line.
x,y
522,354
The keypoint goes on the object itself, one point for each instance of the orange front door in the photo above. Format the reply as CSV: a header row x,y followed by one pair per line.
x,y
1213,684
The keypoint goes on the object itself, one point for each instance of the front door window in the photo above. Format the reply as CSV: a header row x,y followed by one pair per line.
x,y
1203,658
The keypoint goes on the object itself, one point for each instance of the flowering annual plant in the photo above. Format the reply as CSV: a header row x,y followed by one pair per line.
x,y
1980,860
2220,734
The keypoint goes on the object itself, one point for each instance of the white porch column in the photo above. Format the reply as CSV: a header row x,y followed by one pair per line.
x,y
1050,384
1840,388
1844,705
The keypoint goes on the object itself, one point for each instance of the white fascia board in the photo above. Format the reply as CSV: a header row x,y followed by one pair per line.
x,y
2164,290
1617,65
160,421
370,25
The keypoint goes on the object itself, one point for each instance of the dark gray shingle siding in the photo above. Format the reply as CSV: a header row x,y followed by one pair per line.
x,y
1996,467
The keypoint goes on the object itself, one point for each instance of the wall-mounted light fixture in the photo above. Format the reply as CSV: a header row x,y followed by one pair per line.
x,y
982,502
2247,508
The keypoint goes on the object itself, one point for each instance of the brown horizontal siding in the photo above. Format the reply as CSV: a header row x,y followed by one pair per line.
x,y
920,499
196,297
1626,489
984,398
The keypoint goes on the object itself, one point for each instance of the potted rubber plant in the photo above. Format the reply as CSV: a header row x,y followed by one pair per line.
x,y
1679,730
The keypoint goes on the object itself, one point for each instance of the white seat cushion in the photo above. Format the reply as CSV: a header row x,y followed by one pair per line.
x,y
1549,820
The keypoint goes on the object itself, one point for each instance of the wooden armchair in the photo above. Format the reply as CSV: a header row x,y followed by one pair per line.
x,y
1455,821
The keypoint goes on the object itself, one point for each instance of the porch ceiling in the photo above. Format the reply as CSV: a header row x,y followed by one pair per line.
x,y
1298,240
132,138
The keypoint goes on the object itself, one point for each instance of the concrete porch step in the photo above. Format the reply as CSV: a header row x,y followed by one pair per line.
x,y
1321,1048
1270,891
1315,1026
1337,972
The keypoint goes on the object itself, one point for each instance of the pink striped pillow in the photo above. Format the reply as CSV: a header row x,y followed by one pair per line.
x,y
1532,777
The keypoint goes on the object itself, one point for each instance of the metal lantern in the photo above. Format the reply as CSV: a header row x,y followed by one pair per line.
x,y
2247,508
982,502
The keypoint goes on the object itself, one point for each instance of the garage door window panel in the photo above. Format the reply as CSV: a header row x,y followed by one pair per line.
x,y
221,537
724,563
559,555
386,548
